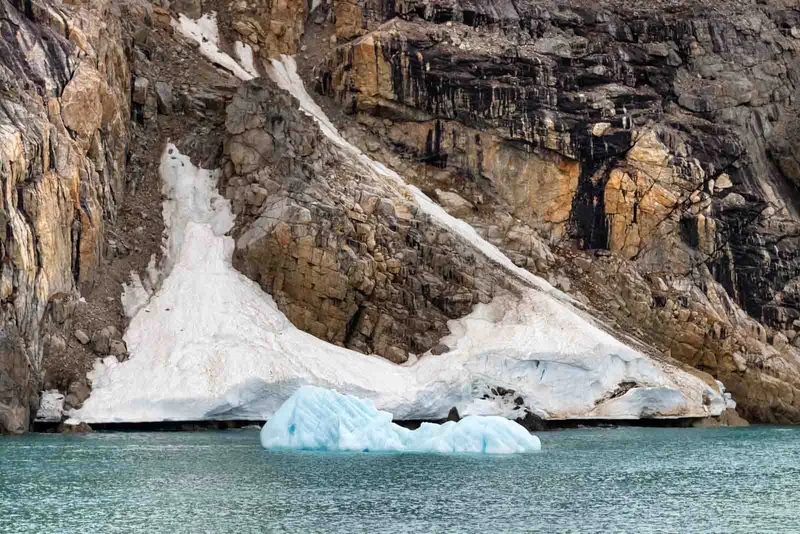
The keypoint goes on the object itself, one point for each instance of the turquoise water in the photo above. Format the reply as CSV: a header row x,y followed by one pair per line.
x,y
636,480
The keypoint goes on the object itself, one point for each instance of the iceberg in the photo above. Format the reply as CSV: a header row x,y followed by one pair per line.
x,y
319,419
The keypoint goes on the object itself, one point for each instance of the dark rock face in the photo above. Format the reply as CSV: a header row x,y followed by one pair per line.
x,y
586,82
665,133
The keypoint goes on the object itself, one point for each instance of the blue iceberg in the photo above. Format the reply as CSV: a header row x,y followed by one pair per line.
x,y
319,419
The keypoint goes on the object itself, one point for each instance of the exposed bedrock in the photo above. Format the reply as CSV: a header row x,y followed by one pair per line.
x,y
666,134
346,257
63,139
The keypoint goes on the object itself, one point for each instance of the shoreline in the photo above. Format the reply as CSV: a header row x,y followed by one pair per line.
x,y
540,425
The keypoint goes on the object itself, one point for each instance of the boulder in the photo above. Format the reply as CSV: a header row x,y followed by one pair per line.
x,y
164,98
141,85
118,348
82,337
69,427
83,101
102,339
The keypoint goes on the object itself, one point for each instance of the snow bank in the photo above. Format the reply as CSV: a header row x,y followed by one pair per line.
x,y
51,407
245,54
210,344
320,419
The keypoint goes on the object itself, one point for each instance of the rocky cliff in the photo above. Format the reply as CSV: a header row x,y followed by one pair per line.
x,y
63,141
643,159
663,134
343,256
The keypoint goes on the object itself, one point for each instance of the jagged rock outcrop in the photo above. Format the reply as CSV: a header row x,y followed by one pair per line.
x,y
63,141
270,27
346,258
664,133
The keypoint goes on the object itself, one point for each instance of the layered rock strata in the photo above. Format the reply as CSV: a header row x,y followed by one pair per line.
x,y
663,134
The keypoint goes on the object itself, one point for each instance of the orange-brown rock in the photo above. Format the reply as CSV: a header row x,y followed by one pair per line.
x,y
63,140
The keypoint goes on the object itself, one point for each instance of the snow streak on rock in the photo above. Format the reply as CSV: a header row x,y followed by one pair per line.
x,y
284,73
205,33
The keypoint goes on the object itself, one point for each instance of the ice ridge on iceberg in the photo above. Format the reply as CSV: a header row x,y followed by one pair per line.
x,y
315,418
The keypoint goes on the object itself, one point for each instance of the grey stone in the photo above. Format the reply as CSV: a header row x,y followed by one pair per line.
x,y
164,98
82,337
385,208
441,348
80,389
396,355
102,338
140,90
117,348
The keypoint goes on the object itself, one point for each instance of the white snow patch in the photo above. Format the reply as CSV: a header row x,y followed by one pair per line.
x,y
153,274
245,55
51,407
137,292
320,419
210,344
204,32
134,296
729,402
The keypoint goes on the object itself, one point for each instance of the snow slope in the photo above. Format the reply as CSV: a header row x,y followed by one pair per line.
x,y
320,419
210,344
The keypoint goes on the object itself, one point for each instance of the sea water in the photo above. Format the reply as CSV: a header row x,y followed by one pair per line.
x,y
638,480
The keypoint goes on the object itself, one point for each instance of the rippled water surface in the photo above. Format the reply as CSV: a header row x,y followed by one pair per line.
x,y
595,480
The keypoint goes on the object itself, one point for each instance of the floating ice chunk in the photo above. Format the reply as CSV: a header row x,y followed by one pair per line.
x,y
320,419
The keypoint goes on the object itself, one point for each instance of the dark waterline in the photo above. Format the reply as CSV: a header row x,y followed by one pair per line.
x,y
642,480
